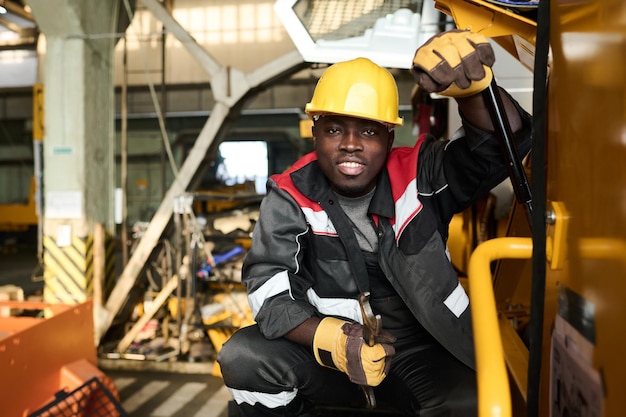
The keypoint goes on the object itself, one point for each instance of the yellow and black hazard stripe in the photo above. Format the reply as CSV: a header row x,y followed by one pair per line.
x,y
68,270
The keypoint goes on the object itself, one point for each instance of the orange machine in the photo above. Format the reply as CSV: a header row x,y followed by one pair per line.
x,y
48,362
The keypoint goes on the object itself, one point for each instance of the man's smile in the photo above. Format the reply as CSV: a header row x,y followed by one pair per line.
x,y
350,168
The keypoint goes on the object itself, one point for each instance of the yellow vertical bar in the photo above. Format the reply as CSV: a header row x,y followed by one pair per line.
x,y
38,112
494,396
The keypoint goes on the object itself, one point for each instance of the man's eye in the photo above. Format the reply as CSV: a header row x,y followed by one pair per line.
x,y
333,130
368,132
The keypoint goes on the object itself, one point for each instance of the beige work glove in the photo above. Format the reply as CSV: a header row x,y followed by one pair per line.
x,y
339,344
456,63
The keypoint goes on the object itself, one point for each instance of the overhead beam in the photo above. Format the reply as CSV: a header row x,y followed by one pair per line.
x,y
13,27
210,64
18,10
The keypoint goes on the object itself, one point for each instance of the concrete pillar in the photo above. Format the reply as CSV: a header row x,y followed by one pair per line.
x,y
78,145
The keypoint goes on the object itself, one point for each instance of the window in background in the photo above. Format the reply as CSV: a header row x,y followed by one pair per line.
x,y
242,161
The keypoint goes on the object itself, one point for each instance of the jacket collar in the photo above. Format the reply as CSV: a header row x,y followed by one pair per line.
x,y
310,181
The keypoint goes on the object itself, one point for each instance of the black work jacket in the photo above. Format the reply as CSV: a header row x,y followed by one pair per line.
x,y
305,259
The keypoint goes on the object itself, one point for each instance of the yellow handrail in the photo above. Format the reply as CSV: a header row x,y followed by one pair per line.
x,y
494,396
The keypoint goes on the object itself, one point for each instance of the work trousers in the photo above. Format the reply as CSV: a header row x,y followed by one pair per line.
x,y
424,380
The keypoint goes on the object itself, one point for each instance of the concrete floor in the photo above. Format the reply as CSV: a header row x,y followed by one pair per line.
x,y
168,394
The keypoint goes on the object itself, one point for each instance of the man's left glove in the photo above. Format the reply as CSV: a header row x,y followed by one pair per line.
x,y
339,344
456,63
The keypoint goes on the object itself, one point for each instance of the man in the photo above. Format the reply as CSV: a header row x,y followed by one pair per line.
x,y
357,216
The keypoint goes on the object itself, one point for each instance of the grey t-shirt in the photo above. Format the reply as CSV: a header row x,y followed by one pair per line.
x,y
356,210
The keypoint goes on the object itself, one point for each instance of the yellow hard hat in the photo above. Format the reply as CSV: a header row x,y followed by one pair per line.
x,y
358,88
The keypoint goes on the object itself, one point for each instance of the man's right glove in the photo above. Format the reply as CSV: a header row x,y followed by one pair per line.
x,y
456,63
339,344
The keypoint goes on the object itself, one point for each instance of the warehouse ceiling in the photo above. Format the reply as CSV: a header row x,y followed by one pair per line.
x,y
385,31
17,26
334,20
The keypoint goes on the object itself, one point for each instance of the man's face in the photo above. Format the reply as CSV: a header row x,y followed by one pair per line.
x,y
351,152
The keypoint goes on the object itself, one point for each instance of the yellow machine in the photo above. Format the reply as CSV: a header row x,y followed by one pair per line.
x,y
19,217
555,300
